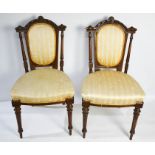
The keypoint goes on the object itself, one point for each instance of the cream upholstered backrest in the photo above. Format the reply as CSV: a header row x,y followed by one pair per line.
x,y
42,43
110,42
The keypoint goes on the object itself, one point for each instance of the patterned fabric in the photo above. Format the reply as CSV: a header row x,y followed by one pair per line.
x,y
42,43
111,88
42,86
110,41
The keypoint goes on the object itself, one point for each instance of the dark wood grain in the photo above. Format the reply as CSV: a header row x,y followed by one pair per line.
x,y
90,29
85,111
22,48
69,103
131,30
17,109
135,118
62,29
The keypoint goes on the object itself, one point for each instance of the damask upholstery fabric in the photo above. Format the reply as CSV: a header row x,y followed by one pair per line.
x,y
42,43
111,88
42,86
110,40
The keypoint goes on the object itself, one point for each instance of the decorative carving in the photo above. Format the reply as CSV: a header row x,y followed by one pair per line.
x,y
40,17
132,30
90,28
62,27
111,19
20,29
85,110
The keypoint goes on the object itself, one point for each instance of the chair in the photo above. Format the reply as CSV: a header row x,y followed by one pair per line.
x,y
44,82
107,85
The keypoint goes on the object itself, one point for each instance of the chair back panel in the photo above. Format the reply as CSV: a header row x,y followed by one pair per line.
x,y
41,38
110,41
107,45
42,43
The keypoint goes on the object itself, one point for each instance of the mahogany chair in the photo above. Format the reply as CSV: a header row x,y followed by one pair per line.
x,y
44,82
108,84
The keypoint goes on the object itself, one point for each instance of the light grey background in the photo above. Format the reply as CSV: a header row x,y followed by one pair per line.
x,y
76,48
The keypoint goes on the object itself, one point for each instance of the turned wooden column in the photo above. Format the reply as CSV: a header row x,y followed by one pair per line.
x,y
131,30
62,29
90,33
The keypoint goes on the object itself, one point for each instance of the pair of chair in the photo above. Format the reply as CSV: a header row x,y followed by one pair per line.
x,y
103,87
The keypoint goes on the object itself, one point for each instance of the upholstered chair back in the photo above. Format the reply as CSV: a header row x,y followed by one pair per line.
x,y
107,45
42,43
110,42
42,39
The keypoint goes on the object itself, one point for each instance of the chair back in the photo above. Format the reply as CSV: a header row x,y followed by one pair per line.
x,y
109,38
42,41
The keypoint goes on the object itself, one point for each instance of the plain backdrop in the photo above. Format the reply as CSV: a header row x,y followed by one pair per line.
x,y
142,59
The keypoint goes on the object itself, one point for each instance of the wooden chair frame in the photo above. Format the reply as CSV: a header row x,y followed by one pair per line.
x,y
95,66
23,34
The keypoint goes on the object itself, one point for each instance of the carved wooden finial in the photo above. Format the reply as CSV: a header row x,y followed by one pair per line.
x,y
62,27
111,19
132,29
40,17
90,28
19,29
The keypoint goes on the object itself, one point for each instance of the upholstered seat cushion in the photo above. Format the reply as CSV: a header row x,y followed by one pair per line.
x,y
42,86
111,88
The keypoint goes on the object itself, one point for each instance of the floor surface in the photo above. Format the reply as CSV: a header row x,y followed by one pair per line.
x,y
49,123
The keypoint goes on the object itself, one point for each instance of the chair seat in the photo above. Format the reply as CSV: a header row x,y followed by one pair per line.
x,y
42,86
111,88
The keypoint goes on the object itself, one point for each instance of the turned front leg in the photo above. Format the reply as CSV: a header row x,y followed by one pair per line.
x,y
85,111
17,109
69,103
135,119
